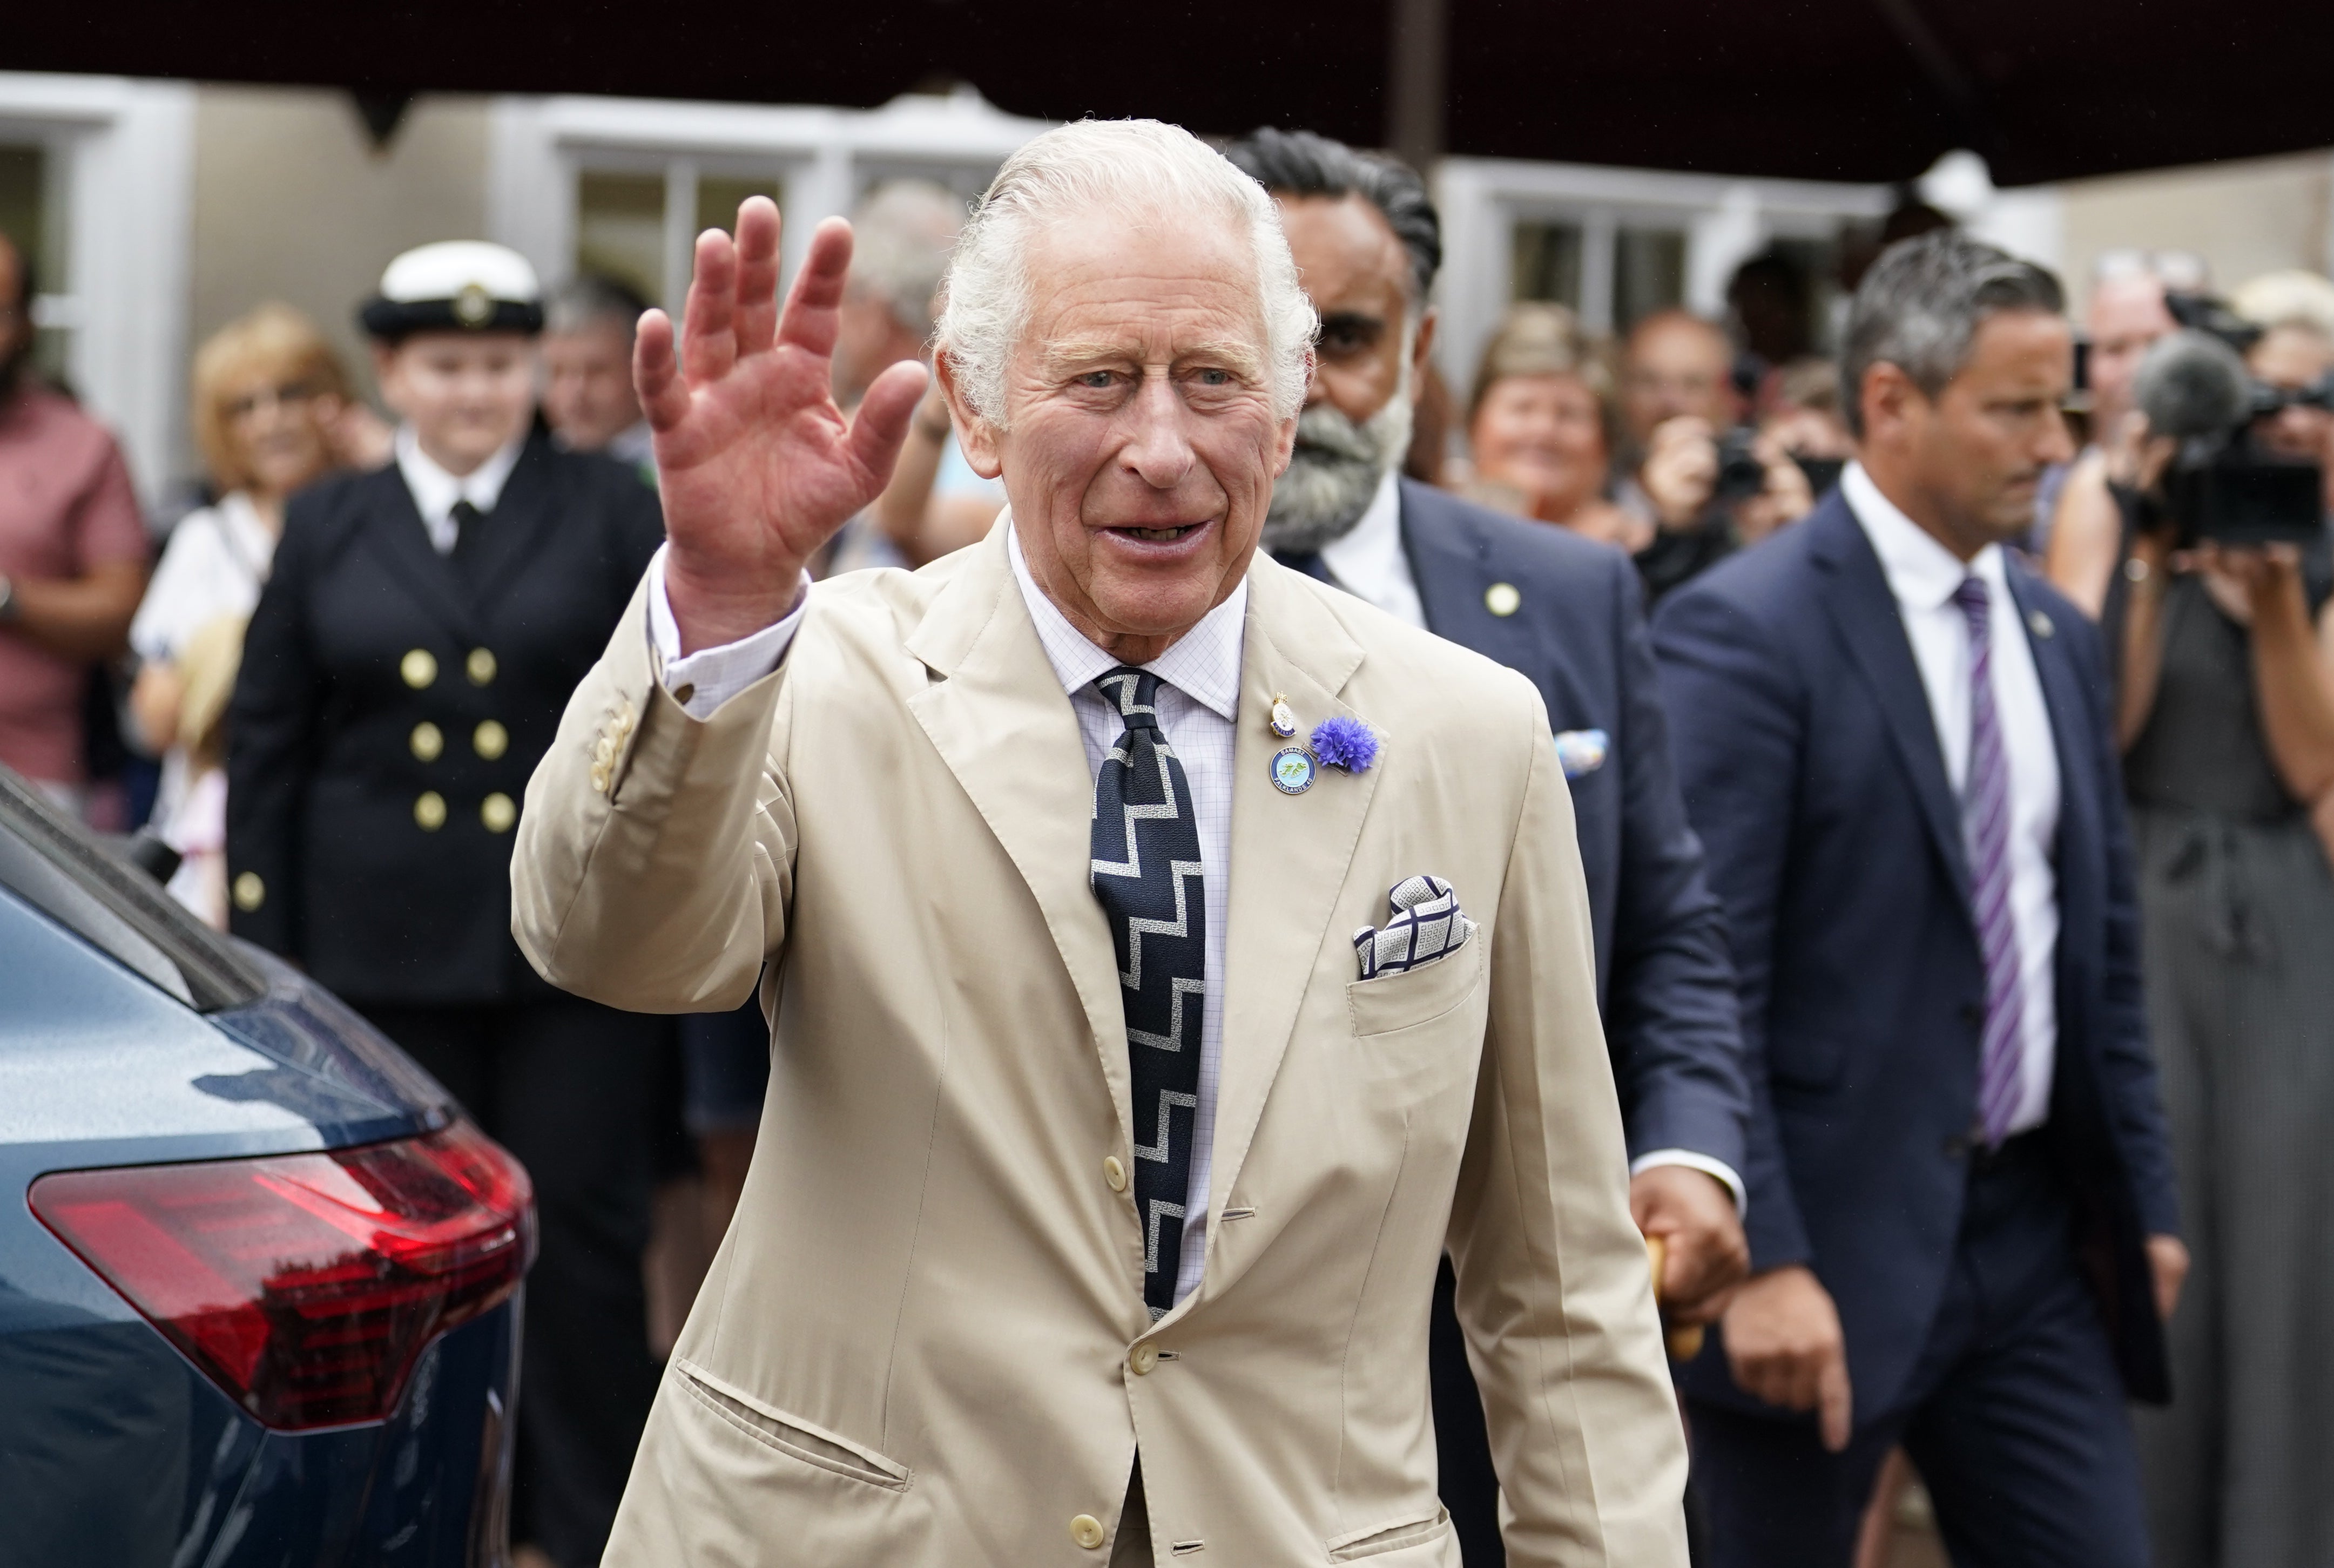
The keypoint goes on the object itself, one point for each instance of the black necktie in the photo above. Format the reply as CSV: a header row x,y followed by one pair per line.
x,y
469,532
1146,873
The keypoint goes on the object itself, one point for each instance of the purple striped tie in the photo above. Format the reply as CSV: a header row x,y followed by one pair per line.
x,y
1985,829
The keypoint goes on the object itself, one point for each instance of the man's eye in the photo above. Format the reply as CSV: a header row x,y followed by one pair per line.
x,y
1215,375
1096,379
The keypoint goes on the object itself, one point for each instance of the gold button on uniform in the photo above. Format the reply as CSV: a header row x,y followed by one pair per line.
x,y
490,739
1142,1358
429,811
428,741
1087,1531
250,892
498,812
418,668
1502,599
1113,1173
479,666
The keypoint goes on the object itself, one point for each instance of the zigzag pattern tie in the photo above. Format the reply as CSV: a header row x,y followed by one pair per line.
x,y
1146,873
1985,831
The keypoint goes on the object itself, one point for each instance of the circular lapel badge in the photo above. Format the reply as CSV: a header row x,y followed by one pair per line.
x,y
1502,599
1292,770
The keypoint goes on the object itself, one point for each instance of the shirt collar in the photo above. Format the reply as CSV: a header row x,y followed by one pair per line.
x,y
1204,663
434,491
1371,550
1922,573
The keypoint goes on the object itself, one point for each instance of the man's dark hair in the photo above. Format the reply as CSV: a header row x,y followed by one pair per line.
x,y
1920,307
1301,163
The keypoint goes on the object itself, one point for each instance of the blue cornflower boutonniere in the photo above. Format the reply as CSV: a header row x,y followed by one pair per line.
x,y
1346,743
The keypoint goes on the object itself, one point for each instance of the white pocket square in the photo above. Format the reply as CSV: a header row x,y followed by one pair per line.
x,y
1427,924
1582,751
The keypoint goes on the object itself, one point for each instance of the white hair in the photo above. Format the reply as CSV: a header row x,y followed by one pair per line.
x,y
1142,167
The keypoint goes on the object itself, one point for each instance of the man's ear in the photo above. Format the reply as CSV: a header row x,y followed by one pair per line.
x,y
1285,440
1887,399
1422,349
975,437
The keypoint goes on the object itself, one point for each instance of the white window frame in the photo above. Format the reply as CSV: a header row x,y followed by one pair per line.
x,y
825,160
1726,221
126,149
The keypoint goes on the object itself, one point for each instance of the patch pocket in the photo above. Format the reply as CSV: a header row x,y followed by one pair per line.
x,y
789,1435
1379,1539
1415,996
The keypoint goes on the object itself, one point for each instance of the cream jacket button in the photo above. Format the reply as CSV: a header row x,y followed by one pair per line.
x,y
427,741
626,719
1113,1173
1087,1531
418,668
490,739
498,812
1142,1358
250,892
480,666
604,750
599,778
429,811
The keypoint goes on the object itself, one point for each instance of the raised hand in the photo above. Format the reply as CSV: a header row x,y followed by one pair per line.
x,y
757,465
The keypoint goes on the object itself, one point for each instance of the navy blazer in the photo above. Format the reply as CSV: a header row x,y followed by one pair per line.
x,y
1578,634
1810,763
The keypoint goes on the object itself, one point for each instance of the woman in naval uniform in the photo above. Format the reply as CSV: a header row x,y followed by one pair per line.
x,y
404,670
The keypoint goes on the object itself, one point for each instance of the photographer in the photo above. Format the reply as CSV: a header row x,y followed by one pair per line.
x,y
2226,715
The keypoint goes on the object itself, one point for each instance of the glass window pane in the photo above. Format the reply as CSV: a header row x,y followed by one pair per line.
x,y
1648,273
1547,263
620,228
718,196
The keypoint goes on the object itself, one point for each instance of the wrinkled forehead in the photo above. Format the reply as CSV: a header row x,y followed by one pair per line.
x,y
1153,284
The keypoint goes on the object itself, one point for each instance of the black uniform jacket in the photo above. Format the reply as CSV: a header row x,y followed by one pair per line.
x,y
392,706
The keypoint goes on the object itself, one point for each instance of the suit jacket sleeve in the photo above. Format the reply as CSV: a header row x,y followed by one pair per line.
x,y
1554,1293
273,721
620,893
1677,1041
2128,1066
1738,726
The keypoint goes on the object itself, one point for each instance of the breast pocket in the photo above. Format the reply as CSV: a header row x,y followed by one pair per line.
x,y
1393,1004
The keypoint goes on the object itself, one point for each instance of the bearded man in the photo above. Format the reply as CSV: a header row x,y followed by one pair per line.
x,y
1169,956
1563,612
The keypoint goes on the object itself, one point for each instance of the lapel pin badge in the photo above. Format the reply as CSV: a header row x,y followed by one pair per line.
x,y
2040,624
1284,718
1292,770
1502,599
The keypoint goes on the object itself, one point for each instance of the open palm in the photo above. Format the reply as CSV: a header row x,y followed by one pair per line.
x,y
756,466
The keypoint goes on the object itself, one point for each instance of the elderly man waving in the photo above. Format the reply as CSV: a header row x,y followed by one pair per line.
x,y
1168,956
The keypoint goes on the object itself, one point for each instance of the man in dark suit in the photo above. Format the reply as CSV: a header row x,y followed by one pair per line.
x,y
1894,742
1564,612
404,671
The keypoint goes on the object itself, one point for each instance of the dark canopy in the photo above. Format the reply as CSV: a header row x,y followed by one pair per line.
x,y
1859,90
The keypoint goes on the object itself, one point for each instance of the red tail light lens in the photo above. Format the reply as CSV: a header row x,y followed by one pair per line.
x,y
305,1284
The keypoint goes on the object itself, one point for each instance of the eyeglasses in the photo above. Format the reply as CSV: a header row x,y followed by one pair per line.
x,y
290,395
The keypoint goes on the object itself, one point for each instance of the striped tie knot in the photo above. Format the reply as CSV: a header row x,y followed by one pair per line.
x,y
1134,693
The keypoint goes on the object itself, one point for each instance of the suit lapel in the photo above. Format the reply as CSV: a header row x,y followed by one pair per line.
x,y
1001,724
523,514
1289,853
395,532
2063,696
1446,560
1864,611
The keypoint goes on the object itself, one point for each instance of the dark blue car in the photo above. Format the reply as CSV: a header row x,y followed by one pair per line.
x,y
259,1281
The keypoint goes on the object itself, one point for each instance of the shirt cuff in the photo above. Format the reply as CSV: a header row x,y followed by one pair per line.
x,y
1701,1162
704,680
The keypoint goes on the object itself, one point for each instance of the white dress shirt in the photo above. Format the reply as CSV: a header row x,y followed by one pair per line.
x,y
1924,574
434,491
1199,705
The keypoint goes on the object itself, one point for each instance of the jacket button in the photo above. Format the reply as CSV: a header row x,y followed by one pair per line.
x,y
599,778
1113,1173
480,666
498,812
429,811
427,741
1142,1358
1087,1531
418,668
490,739
250,892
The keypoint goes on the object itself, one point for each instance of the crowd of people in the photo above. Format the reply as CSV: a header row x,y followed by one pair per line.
x,y
1955,820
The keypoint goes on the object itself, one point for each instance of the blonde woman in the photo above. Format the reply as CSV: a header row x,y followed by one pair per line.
x,y
272,413
1540,426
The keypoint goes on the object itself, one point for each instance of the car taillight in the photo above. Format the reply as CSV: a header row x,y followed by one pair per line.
x,y
305,1284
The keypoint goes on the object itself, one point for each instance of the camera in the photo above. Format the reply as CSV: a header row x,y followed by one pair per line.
x,y
2193,385
1741,475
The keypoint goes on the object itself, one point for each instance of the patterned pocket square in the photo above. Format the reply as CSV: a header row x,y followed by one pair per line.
x,y
1427,925
1582,751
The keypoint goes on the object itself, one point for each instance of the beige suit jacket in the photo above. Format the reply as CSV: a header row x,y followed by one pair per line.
x,y
924,1341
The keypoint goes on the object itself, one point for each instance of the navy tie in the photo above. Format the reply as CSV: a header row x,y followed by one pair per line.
x,y
1147,875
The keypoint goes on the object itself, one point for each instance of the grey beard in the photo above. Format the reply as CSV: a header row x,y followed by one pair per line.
x,y
1333,473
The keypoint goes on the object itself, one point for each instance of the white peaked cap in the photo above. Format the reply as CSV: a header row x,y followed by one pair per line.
x,y
444,270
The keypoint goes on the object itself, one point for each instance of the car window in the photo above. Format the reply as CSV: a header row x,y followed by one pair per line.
x,y
62,869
